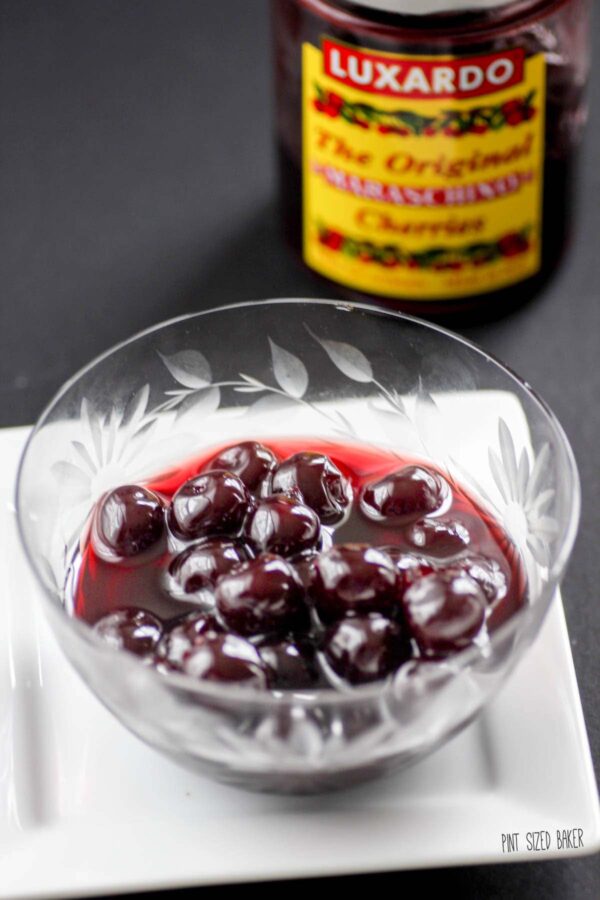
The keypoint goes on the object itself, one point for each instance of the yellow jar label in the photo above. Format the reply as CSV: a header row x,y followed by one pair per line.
x,y
422,175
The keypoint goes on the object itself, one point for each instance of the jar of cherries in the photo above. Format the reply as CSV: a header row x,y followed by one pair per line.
x,y
427,150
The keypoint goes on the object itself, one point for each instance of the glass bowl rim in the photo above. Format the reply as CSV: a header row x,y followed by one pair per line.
x,y
317,696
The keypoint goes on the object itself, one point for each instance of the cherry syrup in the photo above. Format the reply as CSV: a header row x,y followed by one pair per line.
x,y
293,564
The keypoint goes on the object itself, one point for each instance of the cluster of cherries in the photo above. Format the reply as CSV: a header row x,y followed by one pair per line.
x,y
477,121
252,542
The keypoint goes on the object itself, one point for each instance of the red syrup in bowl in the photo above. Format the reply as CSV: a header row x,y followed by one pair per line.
x,y
295,564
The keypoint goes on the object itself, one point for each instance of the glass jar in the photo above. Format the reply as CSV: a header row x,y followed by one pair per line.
x,y
426,161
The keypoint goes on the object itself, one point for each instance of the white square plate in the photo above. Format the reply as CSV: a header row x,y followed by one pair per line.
x,y
88,809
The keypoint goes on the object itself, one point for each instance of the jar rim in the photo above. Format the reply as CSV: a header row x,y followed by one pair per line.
x,y
452,19
430,7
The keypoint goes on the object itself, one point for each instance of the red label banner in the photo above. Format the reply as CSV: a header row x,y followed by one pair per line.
x,y
471,76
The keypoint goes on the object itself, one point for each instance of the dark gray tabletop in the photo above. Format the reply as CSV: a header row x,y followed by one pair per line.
x,y
138,184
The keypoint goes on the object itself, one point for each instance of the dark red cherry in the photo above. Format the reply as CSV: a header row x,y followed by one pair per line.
x,y
444,612
262,596
183,634
213,503
291,664
132,629
487,573
353,579
365,648
441,540
199,566
408,565
282,525
225,658
128,521
305,567
403,496
252,462
317,481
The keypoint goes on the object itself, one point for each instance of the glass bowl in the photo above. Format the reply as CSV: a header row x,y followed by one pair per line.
x,y
313,368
